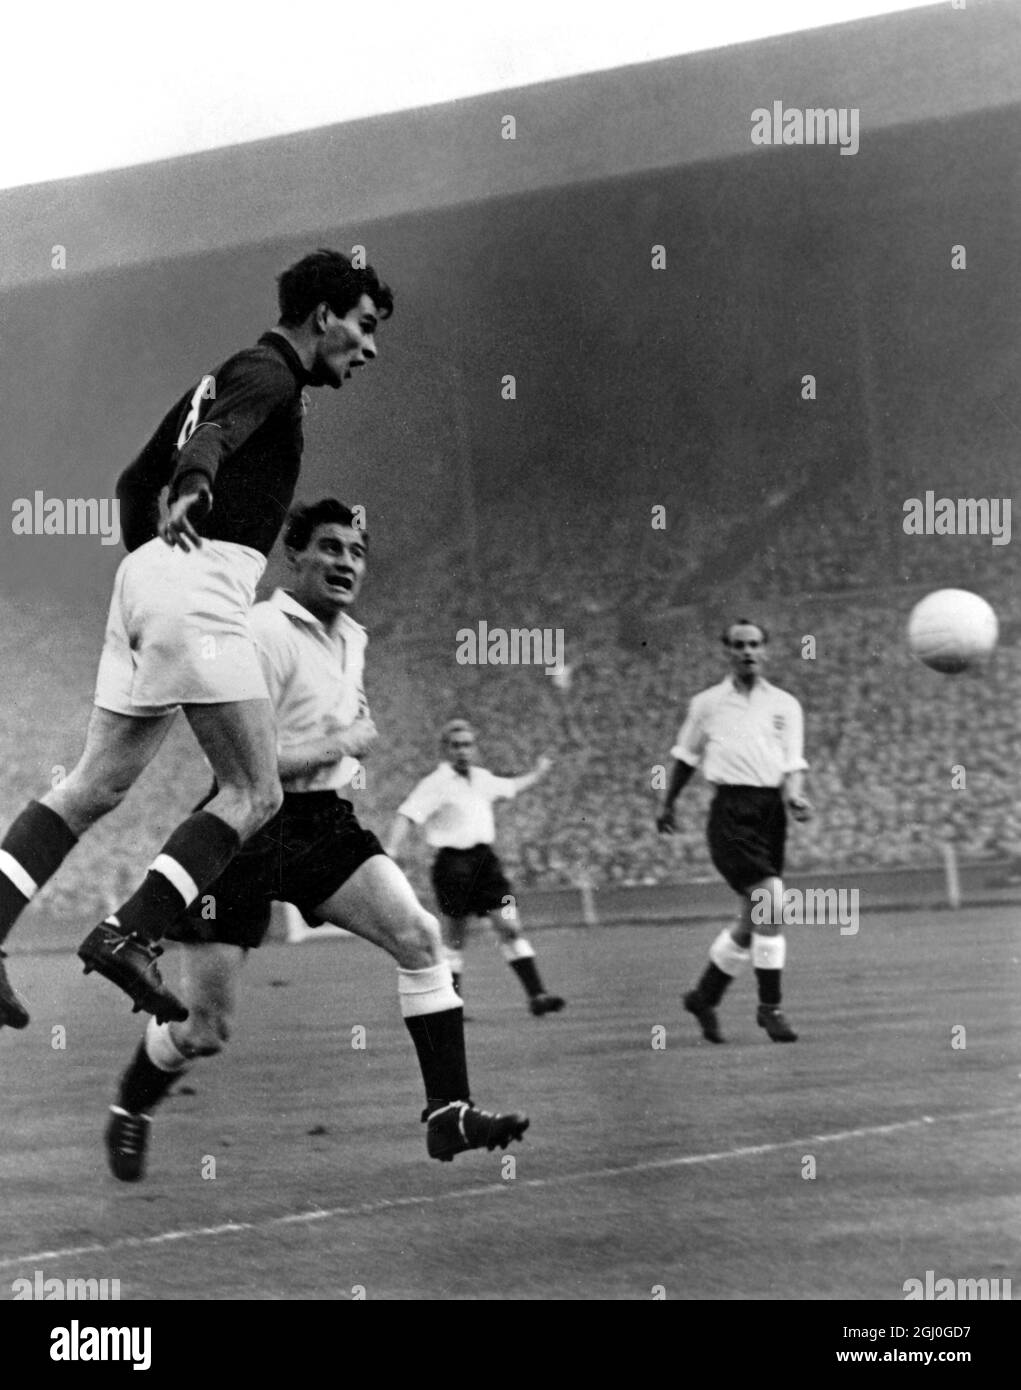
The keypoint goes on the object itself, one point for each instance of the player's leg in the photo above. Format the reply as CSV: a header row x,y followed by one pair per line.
x,y
455,938
727,957
755,936
519,954
118,748
762,926
209,980
239,740
378,903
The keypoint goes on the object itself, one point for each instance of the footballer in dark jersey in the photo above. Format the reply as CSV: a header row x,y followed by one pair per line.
x,y
177,635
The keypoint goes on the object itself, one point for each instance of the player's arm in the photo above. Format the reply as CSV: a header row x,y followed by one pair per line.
x,y
414,810
139,487
337,741
680,775
223,414
398,834
538,772
794,776
685,757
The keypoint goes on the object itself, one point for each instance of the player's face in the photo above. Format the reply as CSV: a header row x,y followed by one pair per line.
x,y
461,750
345,344
746,650
328,573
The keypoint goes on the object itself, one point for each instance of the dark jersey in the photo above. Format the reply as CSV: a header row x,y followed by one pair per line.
x,y
241,429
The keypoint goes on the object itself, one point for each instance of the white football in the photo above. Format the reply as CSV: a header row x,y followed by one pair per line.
x,y
952,629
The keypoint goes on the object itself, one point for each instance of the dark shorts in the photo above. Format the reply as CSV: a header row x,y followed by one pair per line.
x,y
311,846
469,882
747,834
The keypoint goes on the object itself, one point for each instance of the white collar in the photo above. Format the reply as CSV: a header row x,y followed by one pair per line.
x,y
453,772
287,603
730,683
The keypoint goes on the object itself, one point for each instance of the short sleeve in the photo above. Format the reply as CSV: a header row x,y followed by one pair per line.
x,y
501,788
420,803
272,633
794,743
691,736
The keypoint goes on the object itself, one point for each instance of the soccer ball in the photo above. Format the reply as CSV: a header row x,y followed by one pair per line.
x,y
951,630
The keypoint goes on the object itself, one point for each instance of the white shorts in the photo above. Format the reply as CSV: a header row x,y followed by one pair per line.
x,y
178,632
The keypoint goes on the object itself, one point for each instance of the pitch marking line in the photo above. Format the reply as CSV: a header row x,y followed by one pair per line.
x,y
381,1204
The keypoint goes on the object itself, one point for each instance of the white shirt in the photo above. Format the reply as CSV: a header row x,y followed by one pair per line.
x,y
456,811
744,739
312,675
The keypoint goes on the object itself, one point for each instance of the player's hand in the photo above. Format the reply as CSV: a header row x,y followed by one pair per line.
x,y
800,807
178,526
665,823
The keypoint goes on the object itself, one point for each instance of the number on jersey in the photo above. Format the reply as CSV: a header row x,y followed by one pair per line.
x,y
204,391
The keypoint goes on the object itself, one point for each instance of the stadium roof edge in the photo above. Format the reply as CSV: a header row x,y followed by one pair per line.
x,y
903,68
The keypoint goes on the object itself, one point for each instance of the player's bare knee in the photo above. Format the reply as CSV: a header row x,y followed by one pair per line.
x,y
508,929
204,1034
766,907
265,801
430,937
417,943
83,799
249,807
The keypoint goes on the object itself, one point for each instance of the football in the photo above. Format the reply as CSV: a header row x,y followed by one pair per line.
x,y
952,630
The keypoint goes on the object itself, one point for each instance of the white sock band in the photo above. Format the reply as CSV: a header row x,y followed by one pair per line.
x,y
161,1049
518,949
726,954
768,952
176,875
22,880
429,991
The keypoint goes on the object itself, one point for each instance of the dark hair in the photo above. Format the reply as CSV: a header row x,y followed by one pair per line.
x,y
743,622
329,277
455,726
303,519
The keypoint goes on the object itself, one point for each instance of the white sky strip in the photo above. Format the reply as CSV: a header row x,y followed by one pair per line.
x,y
113,84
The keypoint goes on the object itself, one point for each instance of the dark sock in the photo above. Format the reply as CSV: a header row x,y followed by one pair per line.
x,y
439,1042
713,984
769,986
456,978
144,1084
39,841
203,846
527,972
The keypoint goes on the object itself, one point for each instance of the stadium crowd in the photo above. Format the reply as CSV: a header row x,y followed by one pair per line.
x,y
901,757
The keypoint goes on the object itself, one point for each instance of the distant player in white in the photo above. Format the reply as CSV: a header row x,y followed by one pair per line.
x,y
747,735
454,806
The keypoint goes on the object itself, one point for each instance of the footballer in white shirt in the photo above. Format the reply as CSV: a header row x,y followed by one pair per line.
x,y
747,736
314,854
453,805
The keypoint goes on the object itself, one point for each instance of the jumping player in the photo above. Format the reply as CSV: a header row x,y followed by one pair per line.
x,y
177,634
454,805
313,853
748,736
